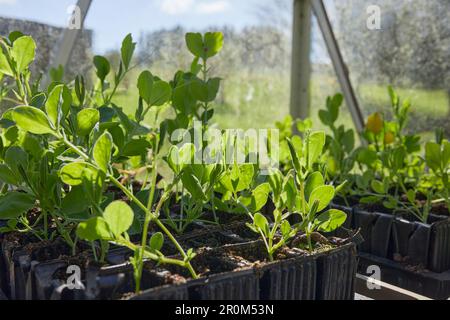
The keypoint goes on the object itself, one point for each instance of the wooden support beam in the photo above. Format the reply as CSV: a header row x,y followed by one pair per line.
x,y
68,42
301,63
338,63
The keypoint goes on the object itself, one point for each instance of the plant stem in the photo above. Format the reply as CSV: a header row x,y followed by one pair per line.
x,y
149,215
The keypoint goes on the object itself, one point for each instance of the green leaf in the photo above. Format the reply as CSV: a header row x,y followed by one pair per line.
x,y
94,229
16,157
316,143
6,175
194,42
213,43
103,67
102,151
32,120
157,241
378,187
135,148
367,157
411,195
324,195
38,101
23,52
205,92
58,103
261,222
74,174
119,217
193,185
333,105
199,90
161,93
324,116
445,154
330,220
213,88
86,121
348,141
314,181
4,65
258,198
294,156
304,125
285,228
239,178
14,204
276,181
145,85
74,202
433,156
127,50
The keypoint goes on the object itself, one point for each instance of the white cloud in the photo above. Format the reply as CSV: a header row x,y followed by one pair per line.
x,y
212,7
175,7
179,7
8,2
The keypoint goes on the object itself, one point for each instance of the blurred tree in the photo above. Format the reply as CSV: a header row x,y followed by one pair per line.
x,y
412,49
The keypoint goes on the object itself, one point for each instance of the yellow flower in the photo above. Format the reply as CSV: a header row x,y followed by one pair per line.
x,y
389,138
375,123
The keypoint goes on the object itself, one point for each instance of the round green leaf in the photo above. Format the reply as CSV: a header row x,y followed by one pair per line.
x,y
213,43
6,175
13,204
94,229
23,52
74,174
314,181
32,120
324,195
194,42
261,222
161,93
119,217
157,241
316,143
103,67
330,220
87,119
145,85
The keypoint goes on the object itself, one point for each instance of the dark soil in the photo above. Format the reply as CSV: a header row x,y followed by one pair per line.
x,y
225,218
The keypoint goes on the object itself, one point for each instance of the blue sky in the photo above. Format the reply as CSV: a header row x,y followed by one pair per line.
x,y
112,20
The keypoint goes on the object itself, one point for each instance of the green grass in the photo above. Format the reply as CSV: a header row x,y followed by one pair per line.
x,y
434,103
258,101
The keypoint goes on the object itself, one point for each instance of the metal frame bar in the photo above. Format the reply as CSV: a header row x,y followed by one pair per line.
x,y
340,67
69,39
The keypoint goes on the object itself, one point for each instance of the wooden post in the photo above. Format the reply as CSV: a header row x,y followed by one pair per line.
x,y
68,41
301,63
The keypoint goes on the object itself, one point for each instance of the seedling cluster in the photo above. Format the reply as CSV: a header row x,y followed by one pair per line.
x,y
75,166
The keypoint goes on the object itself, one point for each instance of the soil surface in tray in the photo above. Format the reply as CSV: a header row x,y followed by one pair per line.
x,y
207,262
40,250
